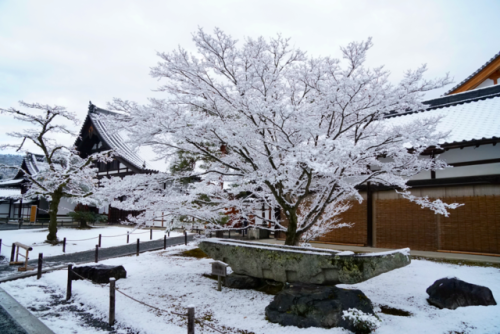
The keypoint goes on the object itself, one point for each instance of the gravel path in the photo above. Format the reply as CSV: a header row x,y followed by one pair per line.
x,y
89,256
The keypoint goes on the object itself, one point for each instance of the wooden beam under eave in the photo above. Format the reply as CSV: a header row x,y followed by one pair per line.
x,y
476,80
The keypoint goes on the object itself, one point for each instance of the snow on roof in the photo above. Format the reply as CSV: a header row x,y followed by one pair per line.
x,y
9,193
466,120
473,74
10,182
116,141
35,163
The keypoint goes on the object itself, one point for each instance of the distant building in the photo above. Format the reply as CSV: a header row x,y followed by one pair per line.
x,y
94,137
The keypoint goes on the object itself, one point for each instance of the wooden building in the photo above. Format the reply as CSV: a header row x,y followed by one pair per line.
x,y
94,137
471,112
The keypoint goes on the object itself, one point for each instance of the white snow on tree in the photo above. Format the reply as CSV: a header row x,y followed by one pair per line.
x,y
276,126
62,172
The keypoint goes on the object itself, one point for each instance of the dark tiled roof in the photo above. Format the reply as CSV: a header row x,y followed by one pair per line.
x,y
114,140
473,74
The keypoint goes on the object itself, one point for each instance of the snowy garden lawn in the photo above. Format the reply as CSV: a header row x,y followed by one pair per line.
x,y
172,282
111,236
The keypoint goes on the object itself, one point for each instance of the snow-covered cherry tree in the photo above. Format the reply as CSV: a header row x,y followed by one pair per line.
x,y
62,173
276,126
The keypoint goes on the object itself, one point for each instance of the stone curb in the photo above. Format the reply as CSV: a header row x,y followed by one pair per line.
x,y
22,316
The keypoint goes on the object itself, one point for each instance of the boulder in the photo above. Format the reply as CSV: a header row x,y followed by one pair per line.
x,y
302,265
243,282
451,293
100,273
307,305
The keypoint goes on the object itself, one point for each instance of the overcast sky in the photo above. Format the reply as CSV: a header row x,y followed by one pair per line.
x,y
70,52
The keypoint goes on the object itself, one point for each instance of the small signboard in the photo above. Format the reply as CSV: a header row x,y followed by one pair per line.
x,y
219,268
33,214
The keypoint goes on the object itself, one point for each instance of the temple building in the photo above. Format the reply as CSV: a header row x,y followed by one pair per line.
x,y
471,113
94,137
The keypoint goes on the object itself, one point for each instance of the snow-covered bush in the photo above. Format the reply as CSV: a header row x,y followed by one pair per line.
x,y
363,322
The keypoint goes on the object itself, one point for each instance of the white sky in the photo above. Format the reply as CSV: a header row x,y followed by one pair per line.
x,y
70,52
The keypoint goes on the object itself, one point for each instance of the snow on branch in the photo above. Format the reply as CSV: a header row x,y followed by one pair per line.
x,y
268,123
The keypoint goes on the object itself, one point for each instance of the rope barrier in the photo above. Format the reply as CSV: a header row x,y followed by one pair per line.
x,y
162,310
112,236
142,303
83,239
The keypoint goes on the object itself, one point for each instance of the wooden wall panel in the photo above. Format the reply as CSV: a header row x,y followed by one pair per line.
x,y
474,227
401,224
350,235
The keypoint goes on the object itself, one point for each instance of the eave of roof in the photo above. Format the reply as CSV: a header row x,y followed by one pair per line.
x,y
114,140
489,67
473,117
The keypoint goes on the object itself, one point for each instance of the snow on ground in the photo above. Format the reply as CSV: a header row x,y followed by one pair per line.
x,y
111,236
171,282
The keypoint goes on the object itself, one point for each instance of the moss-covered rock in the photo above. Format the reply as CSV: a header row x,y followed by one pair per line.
x,y
305,265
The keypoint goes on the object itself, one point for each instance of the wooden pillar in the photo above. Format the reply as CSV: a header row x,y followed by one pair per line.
x,y
19,212
369,215
112,301
10,209
190,314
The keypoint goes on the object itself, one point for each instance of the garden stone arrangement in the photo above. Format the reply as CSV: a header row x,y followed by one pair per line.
x,y
303,265
308,298
451,293
100,273
323,305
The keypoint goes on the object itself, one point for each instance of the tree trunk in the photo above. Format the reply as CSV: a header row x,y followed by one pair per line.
x,y
292,237
83,224
54,207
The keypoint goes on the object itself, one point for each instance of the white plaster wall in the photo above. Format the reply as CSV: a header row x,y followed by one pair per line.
x,y
65,206
482,152
485,83
476,170
4,209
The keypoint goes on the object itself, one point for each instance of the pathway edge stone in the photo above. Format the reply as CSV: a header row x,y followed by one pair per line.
x,y
23,317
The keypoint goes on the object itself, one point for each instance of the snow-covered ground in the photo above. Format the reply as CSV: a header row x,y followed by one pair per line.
x,y
76,240
171,282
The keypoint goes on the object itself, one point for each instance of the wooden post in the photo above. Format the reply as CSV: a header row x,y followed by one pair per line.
x,y
369,215
162,219
0,246
185,237
39,269
112,281
137,247
64,245
229,234
219,283
150,234
169,233
12,252
70,276
96,253
100,240
128,235
190,315
165,241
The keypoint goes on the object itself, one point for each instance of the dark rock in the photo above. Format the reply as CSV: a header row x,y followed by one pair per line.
x,y
243,282
307,305
452,293
100,273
